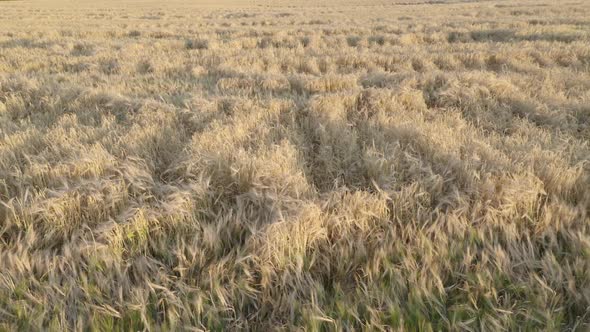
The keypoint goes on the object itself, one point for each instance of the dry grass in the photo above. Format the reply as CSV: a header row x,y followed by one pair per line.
x,y
280,166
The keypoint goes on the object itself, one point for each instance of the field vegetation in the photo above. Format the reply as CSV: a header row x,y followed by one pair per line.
x,y
295,165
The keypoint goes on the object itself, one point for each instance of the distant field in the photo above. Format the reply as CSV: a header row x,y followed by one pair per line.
x,y
308,165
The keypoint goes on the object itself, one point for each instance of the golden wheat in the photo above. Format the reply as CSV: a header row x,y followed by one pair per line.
x,y
270,165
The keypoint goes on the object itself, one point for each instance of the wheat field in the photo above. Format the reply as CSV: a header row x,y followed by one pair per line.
x,y
295,165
